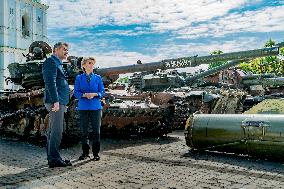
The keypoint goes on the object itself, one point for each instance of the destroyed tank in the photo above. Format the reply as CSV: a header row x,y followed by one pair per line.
x,y
188,95
119,116
199,92
143,113
256,86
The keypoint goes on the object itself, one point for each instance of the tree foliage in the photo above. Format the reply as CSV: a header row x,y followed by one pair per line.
x,y
269,64
123,80
216,64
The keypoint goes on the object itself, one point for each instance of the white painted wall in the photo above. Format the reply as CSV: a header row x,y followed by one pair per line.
x,y
21,23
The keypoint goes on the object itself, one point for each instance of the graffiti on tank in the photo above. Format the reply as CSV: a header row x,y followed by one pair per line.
x,y
178,63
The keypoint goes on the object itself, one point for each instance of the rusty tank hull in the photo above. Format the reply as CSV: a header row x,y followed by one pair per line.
x,y
140,114
257,135
23,115
129,115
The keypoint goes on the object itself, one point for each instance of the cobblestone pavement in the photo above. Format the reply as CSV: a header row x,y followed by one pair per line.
x,y
139,163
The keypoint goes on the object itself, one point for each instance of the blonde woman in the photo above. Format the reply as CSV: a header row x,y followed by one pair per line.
x,y
89,89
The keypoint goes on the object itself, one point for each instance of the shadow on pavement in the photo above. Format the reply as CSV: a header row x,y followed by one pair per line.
x,y
19,179
183,161
20,154
241,161
39,171
112,144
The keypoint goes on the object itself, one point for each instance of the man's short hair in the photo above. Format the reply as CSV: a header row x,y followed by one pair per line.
x,y
59,44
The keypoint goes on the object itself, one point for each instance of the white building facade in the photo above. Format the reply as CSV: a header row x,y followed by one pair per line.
x,y
21,23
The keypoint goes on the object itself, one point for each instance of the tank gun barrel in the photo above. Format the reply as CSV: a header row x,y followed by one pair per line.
x,y
191,79
273,81
189,61
258,76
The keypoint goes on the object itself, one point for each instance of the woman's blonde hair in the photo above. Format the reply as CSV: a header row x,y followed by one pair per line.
x,y
84,61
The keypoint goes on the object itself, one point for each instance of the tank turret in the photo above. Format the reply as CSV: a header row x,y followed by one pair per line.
x,y
159,80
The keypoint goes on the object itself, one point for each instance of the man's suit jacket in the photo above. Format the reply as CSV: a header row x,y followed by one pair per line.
x,y
56,85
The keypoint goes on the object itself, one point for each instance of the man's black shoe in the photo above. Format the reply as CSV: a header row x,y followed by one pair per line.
x,y
83,157
96,157
68,162
58,163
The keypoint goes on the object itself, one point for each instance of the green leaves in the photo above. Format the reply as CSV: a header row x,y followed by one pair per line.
x,y
216,64
269,64
269,43
123,80
282,51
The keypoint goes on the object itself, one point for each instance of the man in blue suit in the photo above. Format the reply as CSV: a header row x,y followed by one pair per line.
x,y
56,97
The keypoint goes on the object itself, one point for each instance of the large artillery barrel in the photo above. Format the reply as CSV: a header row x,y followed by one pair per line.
x,y
258,135
189,61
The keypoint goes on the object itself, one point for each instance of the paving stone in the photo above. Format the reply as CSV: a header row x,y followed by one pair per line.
x,y
136,163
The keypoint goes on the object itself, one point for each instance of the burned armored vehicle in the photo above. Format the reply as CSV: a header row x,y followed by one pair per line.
x,y
193,93
24,114
125,113
138,114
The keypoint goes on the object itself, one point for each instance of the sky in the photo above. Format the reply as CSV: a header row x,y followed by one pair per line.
x,y
120,32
